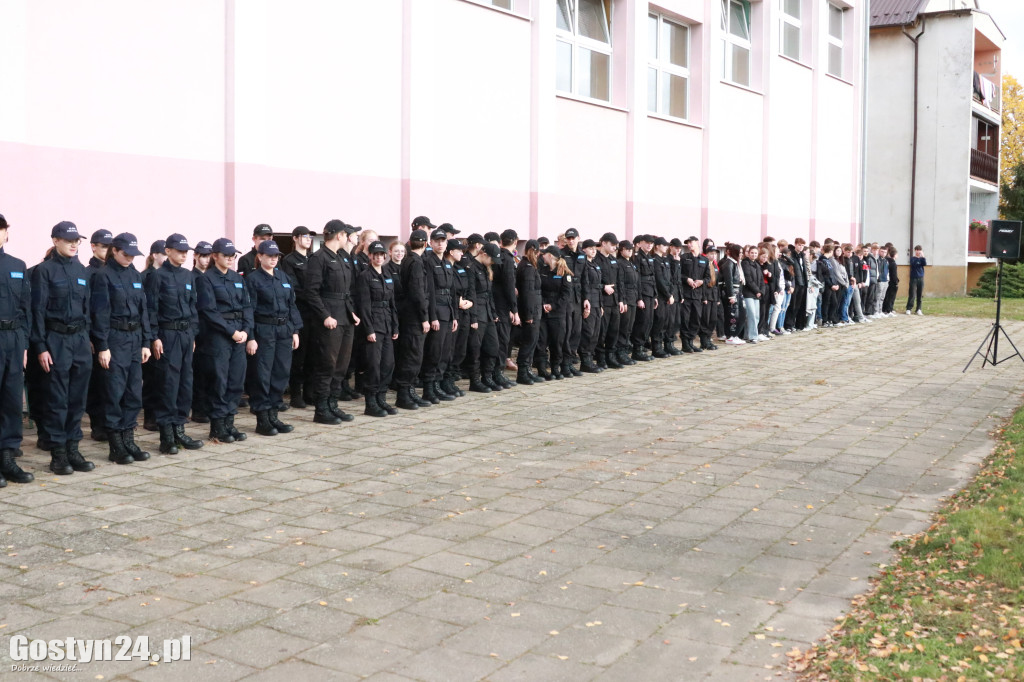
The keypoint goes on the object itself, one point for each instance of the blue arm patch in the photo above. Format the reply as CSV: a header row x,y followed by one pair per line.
x,y
286,285
388,281
239,285
81,281
188,287
17,275
136,285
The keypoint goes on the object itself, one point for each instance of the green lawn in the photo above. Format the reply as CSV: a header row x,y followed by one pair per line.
x,y
952,606
961,306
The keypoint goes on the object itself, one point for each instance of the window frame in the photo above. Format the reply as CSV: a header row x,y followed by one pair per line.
x,y
577,41
834,41
661,63
787,19
730,41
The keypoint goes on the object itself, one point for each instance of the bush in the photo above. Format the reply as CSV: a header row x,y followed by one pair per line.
x,y
1013,282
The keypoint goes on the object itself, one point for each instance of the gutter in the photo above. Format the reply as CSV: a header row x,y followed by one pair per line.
x,y
913,166
864,119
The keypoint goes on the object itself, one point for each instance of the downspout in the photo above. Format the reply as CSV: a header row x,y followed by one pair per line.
x,y
913,164
866,21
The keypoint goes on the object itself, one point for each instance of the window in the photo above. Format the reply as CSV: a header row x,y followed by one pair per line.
x,y
504,4
836,18
668,68
583,48
791,26
736,40
985,137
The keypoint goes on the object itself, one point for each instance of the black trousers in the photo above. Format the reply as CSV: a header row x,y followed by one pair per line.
x,y
529,337
460,347
830,304
378,363
223,366
333,354
302,365
661,314
916,289
503,329
485,352
694,316
12,378
122,381
437,351
590,334
609,330
626,322
796,314
270,368
554,338
409,356
573,330
95,402
34,380
766,306
643,323
709,316
66,385
733,321
173,377
202,365
890,298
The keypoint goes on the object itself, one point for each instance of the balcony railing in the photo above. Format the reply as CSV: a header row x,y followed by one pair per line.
x,y
984,166
986,92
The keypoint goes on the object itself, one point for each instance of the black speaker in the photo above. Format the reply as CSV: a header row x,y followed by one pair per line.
x,y
1004,239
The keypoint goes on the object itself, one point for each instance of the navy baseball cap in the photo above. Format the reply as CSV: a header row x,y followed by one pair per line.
x,y
572,233
376,247
269,248
224,246
301,230
159,246
492,250
104,237
126,242
262,230
626,244
66,230
447,227
455,245
178,242
204,248
610,237
475,239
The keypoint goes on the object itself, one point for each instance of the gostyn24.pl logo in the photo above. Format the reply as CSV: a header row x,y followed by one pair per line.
x,y
123,648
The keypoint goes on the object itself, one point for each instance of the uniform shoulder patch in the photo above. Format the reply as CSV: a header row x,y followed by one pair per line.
x,y
17,275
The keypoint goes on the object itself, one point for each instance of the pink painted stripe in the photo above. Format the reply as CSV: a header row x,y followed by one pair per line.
x,y
536,38
229,120
406,196
705,143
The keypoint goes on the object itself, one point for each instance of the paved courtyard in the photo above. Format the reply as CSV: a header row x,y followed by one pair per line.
x,y
686,519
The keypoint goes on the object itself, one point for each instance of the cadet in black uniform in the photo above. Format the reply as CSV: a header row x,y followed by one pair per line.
x,y
663,284
34,375
100,243
15,323
556,292
504,270
60,343
453,256
171,297
712,319
375,305
644,262
696,280
577,262
484,357
275,335
121,336
294,264
443,320
465,284
328,295
675,311
630,295
592,310
200,389
610,305
157,256
260,234
225,325
530,306
414,321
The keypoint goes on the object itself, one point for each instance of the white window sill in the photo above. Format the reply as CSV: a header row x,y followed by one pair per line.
x,y
677,121
499,10
746,88
587,100
796,61
839,78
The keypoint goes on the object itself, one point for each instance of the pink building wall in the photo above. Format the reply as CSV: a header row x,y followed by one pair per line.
x,y
209,116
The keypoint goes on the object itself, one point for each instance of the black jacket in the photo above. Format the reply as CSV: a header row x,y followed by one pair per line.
x,y
752,277
528,283
328,291
414,305
375,302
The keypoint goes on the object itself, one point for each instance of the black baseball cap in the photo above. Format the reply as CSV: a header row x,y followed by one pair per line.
x,y
455,245
693,239
572,233
66,230
588,244
269,248
224,246
609,237
178,242
554,251
3,222
675,242
262,230
448,228
159,246
418,236
204,248
439,234
492,250
104,237
422,221
376,246
492,237
509,235
626,244
660,241
352,229
475,238
126,242
543,241
532,244
302,230
646,238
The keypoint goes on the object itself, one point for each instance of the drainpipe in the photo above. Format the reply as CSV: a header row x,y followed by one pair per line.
x,y
866,28
913,165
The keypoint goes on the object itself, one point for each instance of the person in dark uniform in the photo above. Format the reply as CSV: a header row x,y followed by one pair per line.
x,y
275,335
484,350
577,262
34,375
15,325
556,293
696,280
171,297
100,243
60,343
630,295
300,389
157,256
121,336
443,320
225,325
465,284
677,311
414,309
328,295
643,259
711,312
505,302
530,306
663,284
592,311
375,305
453,255
200,389
798,302
611,307
260,234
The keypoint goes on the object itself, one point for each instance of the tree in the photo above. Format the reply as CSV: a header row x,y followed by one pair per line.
x,y
1011,194
1011,143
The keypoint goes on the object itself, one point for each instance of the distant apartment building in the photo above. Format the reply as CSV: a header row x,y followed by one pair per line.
x,y
728,118
933,133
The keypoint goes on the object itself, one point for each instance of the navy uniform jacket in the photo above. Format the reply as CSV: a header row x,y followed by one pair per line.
x,y
678,279
465,285
375,302
483,302
662,277
328,291
60,293
247,263
223,303
577,262
294,265
272,297
171,296
417,292
15,295
696,268
441,304
630,293
505,284
118,299
644,263
94,266
528,283
556,290
591,284
609,275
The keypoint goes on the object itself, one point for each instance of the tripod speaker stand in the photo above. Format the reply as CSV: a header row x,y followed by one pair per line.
x,y
991,354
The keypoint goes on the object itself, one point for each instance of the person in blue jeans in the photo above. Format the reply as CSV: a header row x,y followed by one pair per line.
x,y
917,265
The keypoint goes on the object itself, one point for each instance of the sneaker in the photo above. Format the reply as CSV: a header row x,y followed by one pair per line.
x,y
752,340
734,341
918,312
908,312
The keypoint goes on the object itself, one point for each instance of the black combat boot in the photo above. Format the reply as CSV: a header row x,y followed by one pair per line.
x,y
10,470
168,445
523,375
199,417
219,430
263,425
323,414
556,372
476,384
658,351
149,421
671,349
640,355
429,394
624,359
451,386
382,400
137,453
440,392
229,422
118,453
59,460
346,393
373,408
544,372
689,347
184,440
501,379
295,396
588,365
75,459
404,399
332,405
612,359
706,344
278,424
98,432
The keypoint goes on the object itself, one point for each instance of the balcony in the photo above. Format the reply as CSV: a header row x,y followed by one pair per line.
x,y
986,92
984,166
